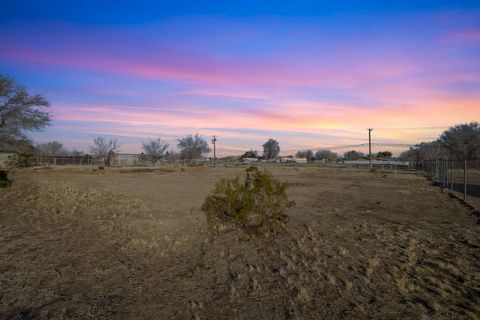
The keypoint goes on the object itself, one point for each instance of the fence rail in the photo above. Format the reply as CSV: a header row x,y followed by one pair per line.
x,y
41,160
117,160
461,177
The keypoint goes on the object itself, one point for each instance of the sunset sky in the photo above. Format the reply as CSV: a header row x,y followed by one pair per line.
x,y
305,73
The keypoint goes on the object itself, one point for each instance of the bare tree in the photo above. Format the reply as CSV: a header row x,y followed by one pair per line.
x,y
432,150
425,151
307,154
384,154
52,148
462,140
172,155
19,112
193,147
9,142
271,149
412,154
326,155
250,154
353,155
76,153
155,149
102,146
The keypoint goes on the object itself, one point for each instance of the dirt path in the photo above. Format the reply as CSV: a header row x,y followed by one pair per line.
x,y
78,244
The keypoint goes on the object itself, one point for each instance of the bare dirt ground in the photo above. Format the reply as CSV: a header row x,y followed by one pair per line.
x,y
133,244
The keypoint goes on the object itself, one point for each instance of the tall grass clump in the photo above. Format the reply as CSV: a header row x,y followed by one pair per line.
x,y
255,203
4,181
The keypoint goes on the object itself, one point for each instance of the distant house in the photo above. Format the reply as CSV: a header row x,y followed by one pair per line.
x,y
229,158
378,162
292,159
125,159
300,160
249,160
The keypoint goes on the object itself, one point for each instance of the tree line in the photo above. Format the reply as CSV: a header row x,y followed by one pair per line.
x,y
22,112
190,147
459,142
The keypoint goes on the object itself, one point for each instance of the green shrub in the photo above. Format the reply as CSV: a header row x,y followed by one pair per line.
x,y
4,181
18,160
256,203
12,161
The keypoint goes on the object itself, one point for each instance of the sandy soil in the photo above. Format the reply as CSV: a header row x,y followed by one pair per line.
x,y
133,244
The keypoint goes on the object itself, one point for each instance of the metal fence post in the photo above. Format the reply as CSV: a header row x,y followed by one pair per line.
x,y
451,175
440,177
465,181
443,173
433,169
446,174
440,172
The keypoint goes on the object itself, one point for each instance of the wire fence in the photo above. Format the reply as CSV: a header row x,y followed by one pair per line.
x,y
133,159
460,177
116,160
22,160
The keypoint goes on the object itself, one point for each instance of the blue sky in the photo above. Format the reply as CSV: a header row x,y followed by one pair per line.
x,y
310,74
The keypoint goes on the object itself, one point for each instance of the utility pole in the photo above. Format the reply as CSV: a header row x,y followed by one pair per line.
x,y
214,140
370,148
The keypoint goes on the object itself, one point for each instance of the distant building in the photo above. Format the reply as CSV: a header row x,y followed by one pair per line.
x,y
377,162
292,159
125,159
300,160
249,160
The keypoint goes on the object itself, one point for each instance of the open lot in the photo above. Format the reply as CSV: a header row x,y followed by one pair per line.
x,y
132,243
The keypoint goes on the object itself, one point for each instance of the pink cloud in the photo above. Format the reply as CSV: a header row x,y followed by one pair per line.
x,y
233,93
106,52
340,120
201,69
335,88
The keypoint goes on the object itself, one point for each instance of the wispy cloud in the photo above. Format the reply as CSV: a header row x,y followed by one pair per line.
x,y
308,82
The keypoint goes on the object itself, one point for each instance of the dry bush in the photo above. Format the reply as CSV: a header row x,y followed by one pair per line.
x,y
256,204
4,181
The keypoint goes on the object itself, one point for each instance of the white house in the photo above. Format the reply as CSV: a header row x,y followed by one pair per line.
x,y
249,160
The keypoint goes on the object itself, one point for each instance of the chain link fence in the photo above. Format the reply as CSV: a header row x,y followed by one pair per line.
x,y
460,177
116,160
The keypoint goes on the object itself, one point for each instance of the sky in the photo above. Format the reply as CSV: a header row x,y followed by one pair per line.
x,y
310,74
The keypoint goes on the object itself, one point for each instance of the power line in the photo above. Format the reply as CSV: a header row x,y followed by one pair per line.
x,y
378,144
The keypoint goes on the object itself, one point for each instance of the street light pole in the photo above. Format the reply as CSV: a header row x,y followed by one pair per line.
x,y
370,148
214,140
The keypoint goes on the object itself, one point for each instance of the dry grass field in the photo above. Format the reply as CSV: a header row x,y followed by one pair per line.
x,y
133,244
